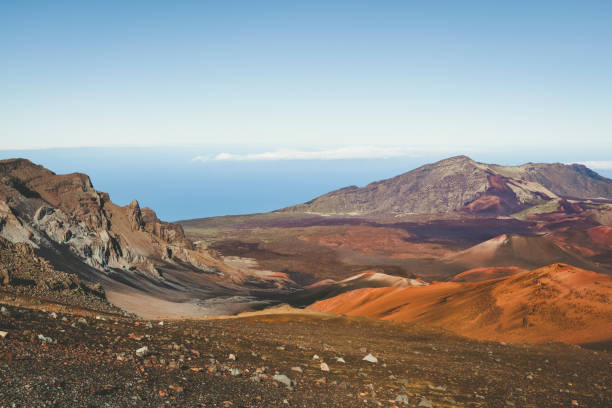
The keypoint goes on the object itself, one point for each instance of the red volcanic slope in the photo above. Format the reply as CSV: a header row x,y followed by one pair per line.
x,y
554,303
487,273
601,235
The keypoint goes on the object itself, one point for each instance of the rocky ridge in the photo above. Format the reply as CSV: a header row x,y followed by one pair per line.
x,y
38,206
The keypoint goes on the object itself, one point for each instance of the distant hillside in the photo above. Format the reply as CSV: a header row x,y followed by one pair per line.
x,y
462,184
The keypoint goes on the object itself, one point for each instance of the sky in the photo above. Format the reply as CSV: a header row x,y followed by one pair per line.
x,y
310,74
350,91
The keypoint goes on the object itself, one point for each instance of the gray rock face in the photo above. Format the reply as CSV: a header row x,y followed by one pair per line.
x,y
99,248
460,183
43,209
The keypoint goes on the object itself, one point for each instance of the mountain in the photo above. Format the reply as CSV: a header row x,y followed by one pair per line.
x,y
138,258
54,211
554,303
462,184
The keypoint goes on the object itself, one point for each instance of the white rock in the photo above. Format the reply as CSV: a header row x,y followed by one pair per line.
x,y
45,338
161,323
324,367
402,399
315,357
232,357
370,358
143,351
3,334
340,360
425,403
53,315
283,379
297,369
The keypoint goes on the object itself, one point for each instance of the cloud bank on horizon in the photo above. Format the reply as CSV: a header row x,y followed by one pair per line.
x,y
349,152
598,164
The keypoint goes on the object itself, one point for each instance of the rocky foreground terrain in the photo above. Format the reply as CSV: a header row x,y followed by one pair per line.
x,y
285,358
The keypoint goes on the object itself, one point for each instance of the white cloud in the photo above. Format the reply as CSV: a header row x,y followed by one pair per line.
x,y
598,164
350,152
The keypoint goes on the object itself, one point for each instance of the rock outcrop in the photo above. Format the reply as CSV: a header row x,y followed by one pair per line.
x,y
147,266
59,213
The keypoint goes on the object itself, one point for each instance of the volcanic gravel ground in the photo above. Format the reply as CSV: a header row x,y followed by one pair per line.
x,y
93,362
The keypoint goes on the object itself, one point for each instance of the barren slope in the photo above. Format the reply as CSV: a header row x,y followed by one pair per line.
x,y
486,273
554,303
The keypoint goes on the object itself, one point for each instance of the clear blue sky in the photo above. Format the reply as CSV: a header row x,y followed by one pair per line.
x,y
306,74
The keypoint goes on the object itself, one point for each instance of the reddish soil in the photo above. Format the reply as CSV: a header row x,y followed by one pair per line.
x,y
485,203
555,303
601,235
375,240
487,273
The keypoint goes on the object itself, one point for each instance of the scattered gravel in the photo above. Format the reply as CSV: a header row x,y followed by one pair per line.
x,y
96,365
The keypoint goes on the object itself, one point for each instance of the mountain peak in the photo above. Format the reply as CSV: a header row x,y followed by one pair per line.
x,y
459,183
459,158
